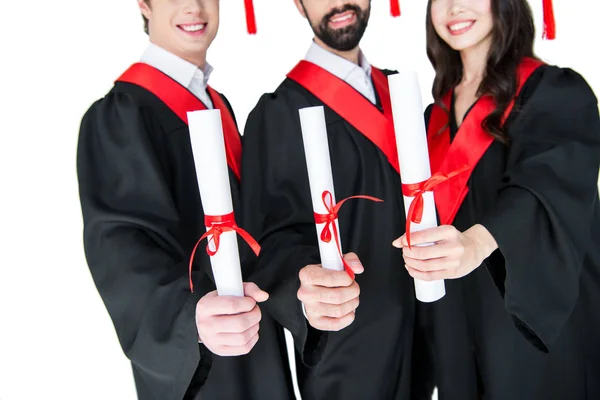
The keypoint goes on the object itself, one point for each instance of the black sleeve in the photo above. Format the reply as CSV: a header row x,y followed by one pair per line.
x,y
542,218
132,248
277,211
428,114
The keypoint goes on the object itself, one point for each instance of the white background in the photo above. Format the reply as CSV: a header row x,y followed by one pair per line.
x,y
56,339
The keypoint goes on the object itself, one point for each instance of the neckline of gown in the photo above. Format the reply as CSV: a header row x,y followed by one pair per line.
x,y
454,127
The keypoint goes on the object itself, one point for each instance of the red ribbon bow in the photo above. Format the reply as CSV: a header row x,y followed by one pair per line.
x,y
417,190
330,228
218,224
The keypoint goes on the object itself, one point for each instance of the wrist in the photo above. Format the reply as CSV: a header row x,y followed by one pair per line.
x,y
484,241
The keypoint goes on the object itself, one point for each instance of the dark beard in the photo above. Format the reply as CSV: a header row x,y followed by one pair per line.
x,y
347,38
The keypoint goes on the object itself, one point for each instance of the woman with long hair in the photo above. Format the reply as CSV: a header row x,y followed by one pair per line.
x,y
519,235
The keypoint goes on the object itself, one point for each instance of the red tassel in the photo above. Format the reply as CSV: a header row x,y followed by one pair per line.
x,y
549,23
395,7
250,17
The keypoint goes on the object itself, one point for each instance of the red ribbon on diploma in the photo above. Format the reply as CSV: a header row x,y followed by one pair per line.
x,y
217,224
417,190
330,228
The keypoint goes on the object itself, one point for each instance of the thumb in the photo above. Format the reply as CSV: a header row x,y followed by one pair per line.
x,y
253,291
400,242
354,263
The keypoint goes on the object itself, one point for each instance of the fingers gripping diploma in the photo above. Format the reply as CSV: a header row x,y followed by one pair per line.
x,y
452,255
228,325
330,297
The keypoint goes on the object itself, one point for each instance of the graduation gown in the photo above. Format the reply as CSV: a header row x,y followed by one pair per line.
x,y
370,359
526,323
142,216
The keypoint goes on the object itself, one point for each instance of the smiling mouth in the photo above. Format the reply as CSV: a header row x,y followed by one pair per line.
x,y
192,28
343,18
460,27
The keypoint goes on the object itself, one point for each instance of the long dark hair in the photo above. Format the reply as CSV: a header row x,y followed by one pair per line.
x,y
513,37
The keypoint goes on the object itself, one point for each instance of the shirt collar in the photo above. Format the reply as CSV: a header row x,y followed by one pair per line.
x,y
178,69
335,64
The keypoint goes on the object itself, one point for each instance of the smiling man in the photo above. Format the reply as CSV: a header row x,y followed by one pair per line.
x,y
364,352
142,217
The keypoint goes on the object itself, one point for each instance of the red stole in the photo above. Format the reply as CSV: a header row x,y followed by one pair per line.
x,y
467,148
180,101
352,106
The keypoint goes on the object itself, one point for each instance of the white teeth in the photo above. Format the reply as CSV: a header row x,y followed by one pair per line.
x,y
192,28
460,25
341,19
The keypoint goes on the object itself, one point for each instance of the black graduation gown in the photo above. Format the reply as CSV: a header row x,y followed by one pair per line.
x,y
526,323
142,216
370,359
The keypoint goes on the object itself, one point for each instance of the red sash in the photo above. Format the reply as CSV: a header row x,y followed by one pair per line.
x,y
180,101
352,106
467,148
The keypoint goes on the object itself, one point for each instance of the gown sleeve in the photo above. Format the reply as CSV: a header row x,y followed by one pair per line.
x,y
277,210
132,247
543,215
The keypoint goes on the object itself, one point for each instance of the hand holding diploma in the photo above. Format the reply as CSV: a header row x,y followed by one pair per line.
x,y
454,254
228,325
228,318
330,297
328,291
413,155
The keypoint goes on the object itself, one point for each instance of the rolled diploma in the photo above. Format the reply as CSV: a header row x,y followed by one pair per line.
x,y
208,148
318,162
413,154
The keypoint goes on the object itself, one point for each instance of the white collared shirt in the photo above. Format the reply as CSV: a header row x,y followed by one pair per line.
x,y
183,72
357,76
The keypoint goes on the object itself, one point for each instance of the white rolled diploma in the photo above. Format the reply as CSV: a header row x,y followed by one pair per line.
x,y
318,162
413,154
208,148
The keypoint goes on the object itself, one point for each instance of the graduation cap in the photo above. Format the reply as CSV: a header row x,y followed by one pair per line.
x,y
549,22
251,15
395,8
